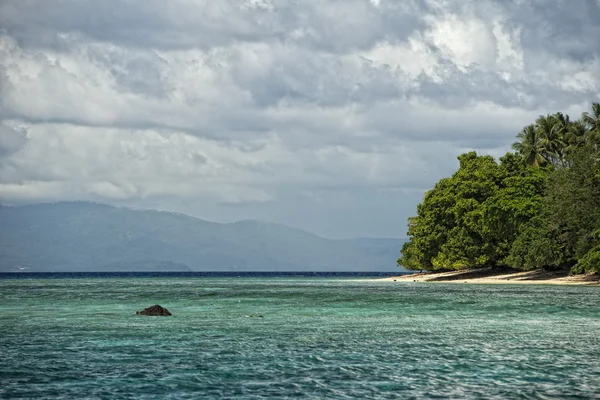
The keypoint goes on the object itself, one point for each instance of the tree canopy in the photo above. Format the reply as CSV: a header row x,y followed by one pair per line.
x,y
538,207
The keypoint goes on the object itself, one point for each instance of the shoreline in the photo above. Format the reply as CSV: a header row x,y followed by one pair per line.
x,y
489,276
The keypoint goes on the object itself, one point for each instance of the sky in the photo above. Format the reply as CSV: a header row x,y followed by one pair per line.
x,y
330,116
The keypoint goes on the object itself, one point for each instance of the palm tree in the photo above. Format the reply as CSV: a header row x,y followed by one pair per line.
x,y
592,122
561,135
550,137
576,136
529,146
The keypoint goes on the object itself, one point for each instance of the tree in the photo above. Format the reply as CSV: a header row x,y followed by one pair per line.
x,y
573,204
550,135
561,134
428,230
444,233
529,146
592,122
538,208
575,138
471,219
590,261
535,247
519,199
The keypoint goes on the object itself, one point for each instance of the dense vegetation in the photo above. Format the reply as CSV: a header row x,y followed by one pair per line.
x,y
538,207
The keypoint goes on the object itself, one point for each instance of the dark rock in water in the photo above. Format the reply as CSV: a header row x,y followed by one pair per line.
x,y
155,310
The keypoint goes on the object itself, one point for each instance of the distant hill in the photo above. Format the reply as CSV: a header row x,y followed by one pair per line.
x,y
82,236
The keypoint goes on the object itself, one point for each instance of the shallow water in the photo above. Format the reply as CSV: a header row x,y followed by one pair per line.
x,y
317,338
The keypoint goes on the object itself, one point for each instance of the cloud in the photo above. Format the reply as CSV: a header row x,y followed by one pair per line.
x,y
12,139
333,26
325,115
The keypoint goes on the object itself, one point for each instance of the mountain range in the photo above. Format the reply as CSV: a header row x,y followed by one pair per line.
x,y
85,236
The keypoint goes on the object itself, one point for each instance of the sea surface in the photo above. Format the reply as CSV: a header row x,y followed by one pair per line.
x,y
293,336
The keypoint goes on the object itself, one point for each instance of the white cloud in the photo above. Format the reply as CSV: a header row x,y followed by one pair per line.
x,y
291,111
464,41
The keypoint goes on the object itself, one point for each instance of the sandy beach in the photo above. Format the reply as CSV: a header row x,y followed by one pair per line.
x,y
489,276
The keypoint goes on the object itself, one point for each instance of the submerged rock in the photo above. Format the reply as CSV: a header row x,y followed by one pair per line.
x,y
155,310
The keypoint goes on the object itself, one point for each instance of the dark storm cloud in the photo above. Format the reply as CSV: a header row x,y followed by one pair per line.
x,y
564,27
331,26
306,77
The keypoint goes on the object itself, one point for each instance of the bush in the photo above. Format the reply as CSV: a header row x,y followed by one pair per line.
x,y
588,263
534,248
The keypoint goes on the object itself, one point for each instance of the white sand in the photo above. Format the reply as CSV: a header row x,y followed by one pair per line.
x,y
486,276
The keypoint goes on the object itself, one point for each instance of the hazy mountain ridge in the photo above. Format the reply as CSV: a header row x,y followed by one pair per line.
x,y
83,236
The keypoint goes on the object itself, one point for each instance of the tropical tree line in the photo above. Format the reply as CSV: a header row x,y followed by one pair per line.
x,y
536,207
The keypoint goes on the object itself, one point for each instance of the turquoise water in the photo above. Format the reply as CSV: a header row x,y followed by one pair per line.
x,y
317,338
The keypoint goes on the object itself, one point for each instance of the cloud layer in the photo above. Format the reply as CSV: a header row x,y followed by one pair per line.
x,y
333,116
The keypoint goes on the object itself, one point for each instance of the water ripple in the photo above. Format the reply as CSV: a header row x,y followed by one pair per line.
x,y
80,338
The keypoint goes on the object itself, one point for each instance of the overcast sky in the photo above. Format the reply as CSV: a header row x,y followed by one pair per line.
x,y
331,116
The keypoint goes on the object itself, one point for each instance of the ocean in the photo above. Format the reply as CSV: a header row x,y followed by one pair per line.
x,y
314,336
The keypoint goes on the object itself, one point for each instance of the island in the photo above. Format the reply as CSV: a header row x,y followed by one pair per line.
x,y
534,215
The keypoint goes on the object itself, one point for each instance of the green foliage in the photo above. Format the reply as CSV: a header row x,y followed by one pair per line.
x,y
530,147
517,201
538,208
554,136
534,248
410,259
592,122
590,262
573,204
471,219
